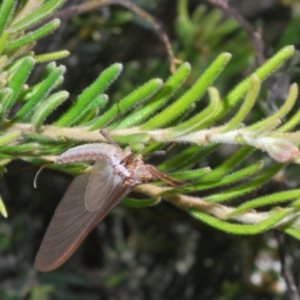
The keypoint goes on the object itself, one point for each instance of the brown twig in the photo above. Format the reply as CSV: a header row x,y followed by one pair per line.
x,y
254,35
285,269
94,4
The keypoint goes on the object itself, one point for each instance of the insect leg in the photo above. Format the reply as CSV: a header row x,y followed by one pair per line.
x,y
108,137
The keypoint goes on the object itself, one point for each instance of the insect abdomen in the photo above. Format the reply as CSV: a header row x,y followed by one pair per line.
x,y
87,152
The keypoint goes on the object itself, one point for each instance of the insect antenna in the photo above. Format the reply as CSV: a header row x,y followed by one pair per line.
x,y
161,175
165,177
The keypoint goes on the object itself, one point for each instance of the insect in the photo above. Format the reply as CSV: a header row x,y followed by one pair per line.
x,y
90,197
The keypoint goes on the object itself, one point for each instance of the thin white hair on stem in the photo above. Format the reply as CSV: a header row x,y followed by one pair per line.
x,y
38,173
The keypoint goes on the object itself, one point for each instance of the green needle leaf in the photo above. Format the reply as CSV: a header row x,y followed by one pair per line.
x,y
99,102
46,86
246,106
191,96
51,56
17,80
187,158
292,232
97,87
231,163
190,174
291,123
46,108
159,100
3,210
140,94
9,137
199,120
5,95
241,229
3,41
267,200
35,35
130,202
246,187
44,11
229,179
264,71
284,109
6,11
20,149
241,174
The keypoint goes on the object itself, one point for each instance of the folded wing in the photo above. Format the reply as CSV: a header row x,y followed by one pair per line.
x,y
72,222
101,186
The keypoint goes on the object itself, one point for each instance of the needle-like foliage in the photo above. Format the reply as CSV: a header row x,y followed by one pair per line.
x,y
150,117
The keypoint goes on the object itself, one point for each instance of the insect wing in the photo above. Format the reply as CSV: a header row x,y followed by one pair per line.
x,y
71,223
101,186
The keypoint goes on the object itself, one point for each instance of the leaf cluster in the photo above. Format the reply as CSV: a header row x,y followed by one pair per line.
x,y
187,111
147,119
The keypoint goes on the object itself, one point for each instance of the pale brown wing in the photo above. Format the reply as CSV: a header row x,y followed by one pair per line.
x,y
99,188
71,223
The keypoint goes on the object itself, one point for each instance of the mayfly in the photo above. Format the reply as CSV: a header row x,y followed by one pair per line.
x,y
90,197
